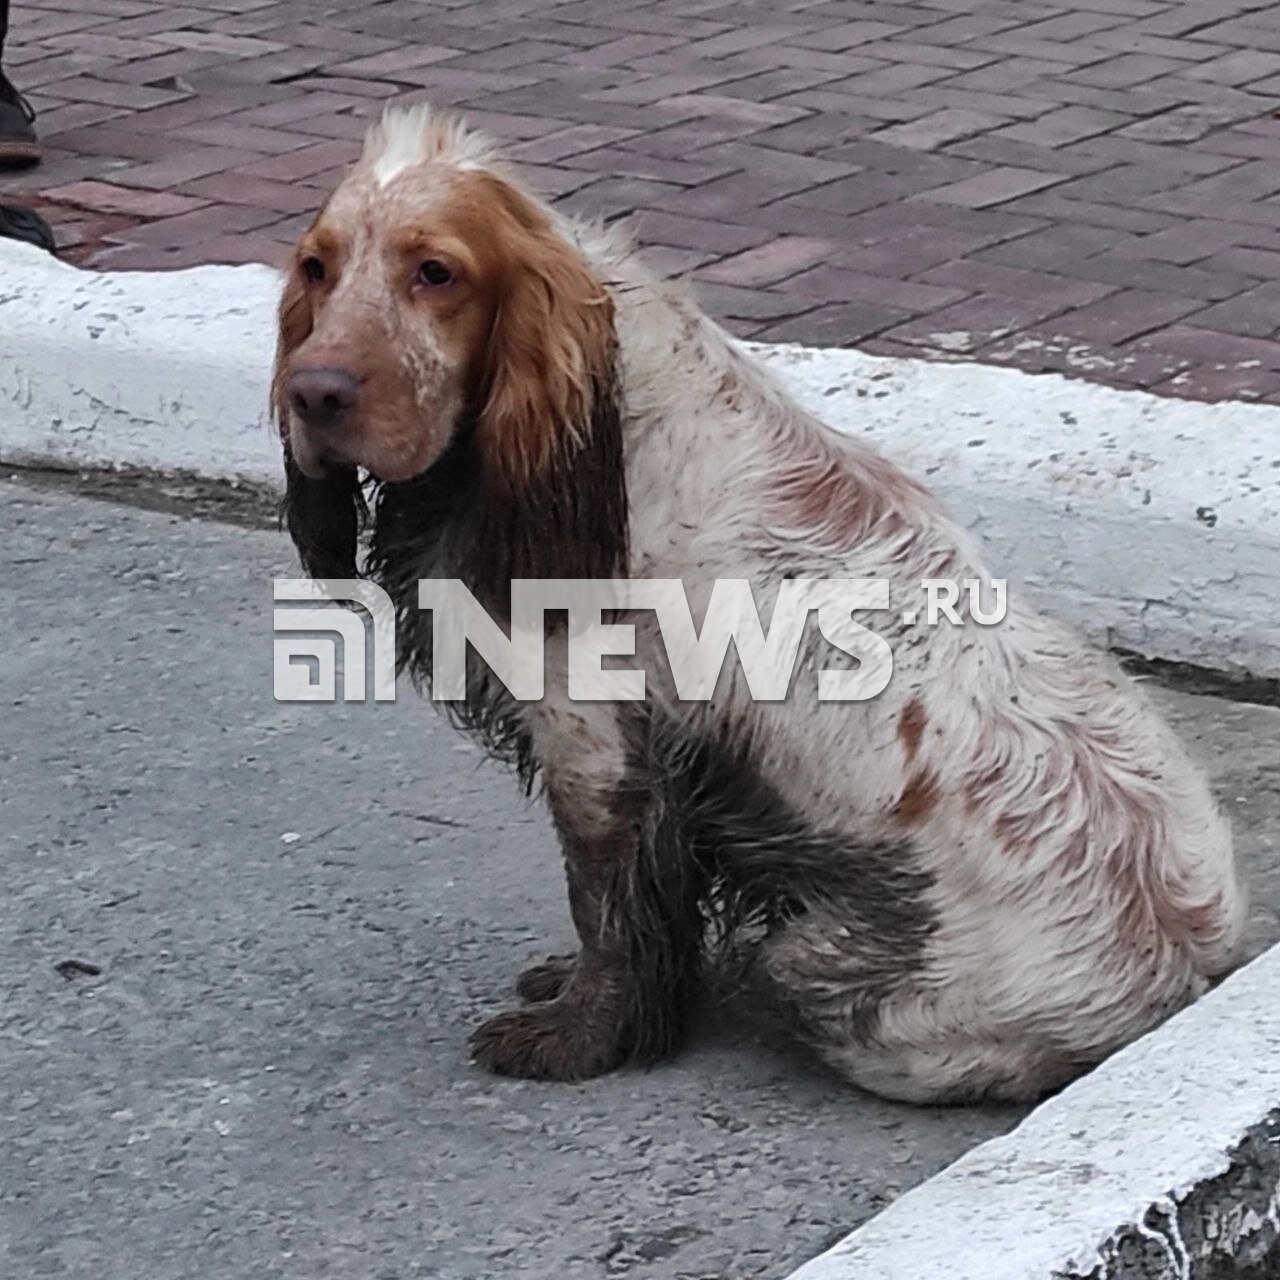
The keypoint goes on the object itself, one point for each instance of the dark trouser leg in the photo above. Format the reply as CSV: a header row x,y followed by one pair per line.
x,y
19,145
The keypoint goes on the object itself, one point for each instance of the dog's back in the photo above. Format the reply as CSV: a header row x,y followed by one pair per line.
x,y
1024,868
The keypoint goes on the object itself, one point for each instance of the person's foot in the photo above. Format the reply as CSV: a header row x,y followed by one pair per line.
x,y
18,142
17,223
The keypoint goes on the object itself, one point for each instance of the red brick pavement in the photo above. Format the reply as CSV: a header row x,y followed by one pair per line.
x,y
1090,186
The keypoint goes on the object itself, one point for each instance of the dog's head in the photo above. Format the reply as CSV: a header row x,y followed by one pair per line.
x,y
432,291
443,337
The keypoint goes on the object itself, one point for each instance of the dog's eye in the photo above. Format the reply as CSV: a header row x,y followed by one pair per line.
x,y
434,273
313,269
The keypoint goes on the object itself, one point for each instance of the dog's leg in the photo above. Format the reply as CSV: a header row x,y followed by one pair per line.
x,y
935,1032
960,1068
903,1038
547,979
634,907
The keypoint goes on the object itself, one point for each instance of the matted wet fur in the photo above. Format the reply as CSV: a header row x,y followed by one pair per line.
x,y
974,885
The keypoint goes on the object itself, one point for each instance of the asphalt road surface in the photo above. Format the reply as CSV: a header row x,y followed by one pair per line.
x,y
242,943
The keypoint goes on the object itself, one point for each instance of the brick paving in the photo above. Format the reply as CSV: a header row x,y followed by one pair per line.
x,y
1089,187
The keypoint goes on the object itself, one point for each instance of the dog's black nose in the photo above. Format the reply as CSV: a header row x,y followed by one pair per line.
x,y
323,397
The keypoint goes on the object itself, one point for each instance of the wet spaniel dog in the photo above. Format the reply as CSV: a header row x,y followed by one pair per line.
x,y
975,884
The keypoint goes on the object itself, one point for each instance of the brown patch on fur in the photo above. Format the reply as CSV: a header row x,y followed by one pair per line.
x,y
919,799
843,495
552,345
911,726
1081,789
295,321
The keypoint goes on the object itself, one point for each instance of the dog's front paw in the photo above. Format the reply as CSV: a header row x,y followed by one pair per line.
x,y
554,1041
542,982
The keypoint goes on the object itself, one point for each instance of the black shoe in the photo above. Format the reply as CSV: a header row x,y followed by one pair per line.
x,y
18,143
24,224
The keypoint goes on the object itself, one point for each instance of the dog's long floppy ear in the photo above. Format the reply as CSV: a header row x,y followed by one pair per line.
x,y
548,430
323,516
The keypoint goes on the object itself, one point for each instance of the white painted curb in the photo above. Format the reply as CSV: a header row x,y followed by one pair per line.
x,y
1141,1149
137,369
1155,524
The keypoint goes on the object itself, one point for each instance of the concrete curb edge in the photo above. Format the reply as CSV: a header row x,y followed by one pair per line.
x,y
1162,1164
